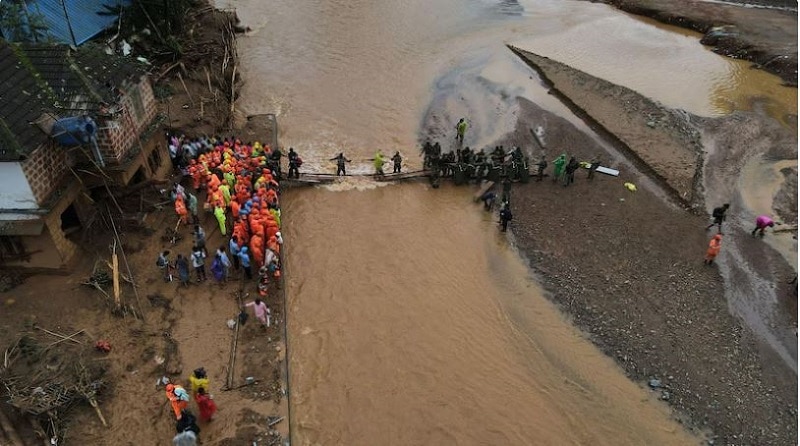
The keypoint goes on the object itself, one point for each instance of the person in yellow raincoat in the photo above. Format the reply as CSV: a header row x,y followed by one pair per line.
x,y
198,380
257,149
220,214
379,162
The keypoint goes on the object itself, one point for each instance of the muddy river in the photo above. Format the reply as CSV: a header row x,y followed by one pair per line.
x,y
411,321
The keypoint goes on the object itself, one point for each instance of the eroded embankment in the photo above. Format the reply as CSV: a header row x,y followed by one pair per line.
x,y
767,37
670,151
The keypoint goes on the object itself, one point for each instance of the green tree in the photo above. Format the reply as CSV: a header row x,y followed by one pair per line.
x,y
165,19
20,23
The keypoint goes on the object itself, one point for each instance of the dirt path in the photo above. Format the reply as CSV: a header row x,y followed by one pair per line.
x,y
767,37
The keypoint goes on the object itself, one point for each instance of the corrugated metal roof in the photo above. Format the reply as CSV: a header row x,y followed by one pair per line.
x,y
38,79
81,16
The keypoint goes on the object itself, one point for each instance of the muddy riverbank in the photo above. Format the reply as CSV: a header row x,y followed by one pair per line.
x,y
627,267
766,36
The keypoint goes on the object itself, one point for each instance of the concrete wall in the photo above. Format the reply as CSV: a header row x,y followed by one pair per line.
x,y
52,249
15,192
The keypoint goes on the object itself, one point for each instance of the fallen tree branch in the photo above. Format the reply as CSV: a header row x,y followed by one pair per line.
x,y
58,335
68,338
9,430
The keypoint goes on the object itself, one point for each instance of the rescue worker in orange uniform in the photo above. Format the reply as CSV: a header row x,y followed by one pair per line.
x,y
178,399
257,250
180,209
713,249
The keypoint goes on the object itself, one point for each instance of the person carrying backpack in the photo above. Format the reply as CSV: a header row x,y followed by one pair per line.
x,y
178,399
163,264
719,216
542,165
199,264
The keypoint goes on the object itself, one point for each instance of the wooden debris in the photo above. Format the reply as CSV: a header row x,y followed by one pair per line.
x,y
233,89
68,338
164,73
180,77
59,335
9,430
275,421
403,175
232,360
487,185
115,275
93,403
208,79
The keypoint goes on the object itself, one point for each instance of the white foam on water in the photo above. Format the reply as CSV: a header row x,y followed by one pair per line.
x,y
359,183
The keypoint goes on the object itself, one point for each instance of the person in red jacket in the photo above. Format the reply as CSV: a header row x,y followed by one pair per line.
x,y
205,404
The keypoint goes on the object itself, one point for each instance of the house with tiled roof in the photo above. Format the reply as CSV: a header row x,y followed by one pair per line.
x,y
70,119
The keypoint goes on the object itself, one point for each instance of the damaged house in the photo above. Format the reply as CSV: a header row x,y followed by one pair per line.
x,y
70,121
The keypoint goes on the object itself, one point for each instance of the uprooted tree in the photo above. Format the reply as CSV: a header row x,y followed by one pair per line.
x,y
155,24
43,380
20,22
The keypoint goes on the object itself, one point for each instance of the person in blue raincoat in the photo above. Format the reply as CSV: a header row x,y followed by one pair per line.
x,y
217,269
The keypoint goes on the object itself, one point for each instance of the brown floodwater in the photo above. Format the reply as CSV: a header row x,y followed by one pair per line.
x,y
410,320
413,322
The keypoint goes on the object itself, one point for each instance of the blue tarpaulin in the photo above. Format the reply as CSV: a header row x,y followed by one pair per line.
x,y
73,21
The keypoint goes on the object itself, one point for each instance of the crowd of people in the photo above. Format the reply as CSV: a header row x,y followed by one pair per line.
x,y
498,164
239,184
186,423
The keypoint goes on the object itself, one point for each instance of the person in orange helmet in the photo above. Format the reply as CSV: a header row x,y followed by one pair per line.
x,y
273,245
713,249
180,209
196,172
235,208
257,252
213,181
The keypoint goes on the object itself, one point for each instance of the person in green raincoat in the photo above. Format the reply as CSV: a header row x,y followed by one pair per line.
x,y
379,162
220,214
225,190
230,178
276,214
192,199
558,166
